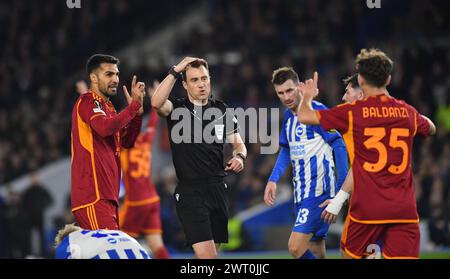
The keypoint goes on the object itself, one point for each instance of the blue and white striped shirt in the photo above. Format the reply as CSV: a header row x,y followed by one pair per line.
x,y
310,150
100,244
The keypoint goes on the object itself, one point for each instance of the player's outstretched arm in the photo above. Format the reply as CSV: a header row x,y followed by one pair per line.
x,y
306,114
106,126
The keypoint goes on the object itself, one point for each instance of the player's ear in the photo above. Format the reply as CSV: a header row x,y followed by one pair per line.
x,y
361,81
388,80
184,85
360,95
93,77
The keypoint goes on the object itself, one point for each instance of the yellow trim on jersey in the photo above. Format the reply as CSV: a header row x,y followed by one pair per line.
x,y
375,222
142,202
348,138
399,258
124,160
94,215
87,142
122,214
90,217
351,254
85,205
345,230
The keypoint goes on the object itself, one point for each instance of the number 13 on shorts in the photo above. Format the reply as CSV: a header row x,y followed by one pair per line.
x,y
302,216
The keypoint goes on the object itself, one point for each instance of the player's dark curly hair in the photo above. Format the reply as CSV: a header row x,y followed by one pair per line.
x,y
194,64
95,60
281,75
374,66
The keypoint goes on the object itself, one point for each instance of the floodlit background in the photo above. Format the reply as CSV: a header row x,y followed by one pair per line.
x,y
44,46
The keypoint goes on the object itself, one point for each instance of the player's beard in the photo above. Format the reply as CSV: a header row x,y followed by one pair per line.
x,y
108,89
293,105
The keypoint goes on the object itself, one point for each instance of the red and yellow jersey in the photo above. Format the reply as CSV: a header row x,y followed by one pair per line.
x,y
98,133
378,133
136,167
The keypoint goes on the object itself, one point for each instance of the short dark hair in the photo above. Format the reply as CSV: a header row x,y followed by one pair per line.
x,y
352,81
374,66
281,75
194,64
95,60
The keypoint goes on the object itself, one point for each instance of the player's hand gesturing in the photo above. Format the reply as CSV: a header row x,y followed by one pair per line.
x,y
137,93
236,164
309,87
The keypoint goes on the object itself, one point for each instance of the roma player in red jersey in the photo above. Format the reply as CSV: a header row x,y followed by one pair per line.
x,y
98,134
378,132
140,212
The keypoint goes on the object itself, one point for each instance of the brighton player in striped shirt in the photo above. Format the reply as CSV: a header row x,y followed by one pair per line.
x,y
72,242
314,155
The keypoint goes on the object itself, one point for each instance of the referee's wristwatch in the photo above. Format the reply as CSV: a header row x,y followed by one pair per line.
x,y
174,73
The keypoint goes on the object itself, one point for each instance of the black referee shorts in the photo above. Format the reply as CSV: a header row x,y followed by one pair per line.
x,y
203,211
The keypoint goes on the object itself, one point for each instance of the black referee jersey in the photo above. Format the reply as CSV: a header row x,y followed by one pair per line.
x,y
199,157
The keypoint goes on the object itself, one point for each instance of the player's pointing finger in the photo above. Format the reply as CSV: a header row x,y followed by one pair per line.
x,y
316,78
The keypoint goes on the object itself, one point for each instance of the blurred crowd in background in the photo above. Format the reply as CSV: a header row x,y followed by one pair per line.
x,y
44,46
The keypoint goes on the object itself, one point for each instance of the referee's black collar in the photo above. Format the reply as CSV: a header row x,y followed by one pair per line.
x,y
191,105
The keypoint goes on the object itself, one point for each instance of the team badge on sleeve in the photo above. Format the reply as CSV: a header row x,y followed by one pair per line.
x,y
98,108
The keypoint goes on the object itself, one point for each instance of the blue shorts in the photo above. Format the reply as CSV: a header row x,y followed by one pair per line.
x,y
307,218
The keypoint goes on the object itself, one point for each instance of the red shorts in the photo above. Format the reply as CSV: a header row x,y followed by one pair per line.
x,y
101,215
140,219
398,240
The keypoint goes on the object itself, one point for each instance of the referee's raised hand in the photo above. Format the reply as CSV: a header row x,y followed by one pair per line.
x,y
186,61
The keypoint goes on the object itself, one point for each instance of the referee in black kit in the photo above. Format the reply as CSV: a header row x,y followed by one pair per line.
x,y
201,194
